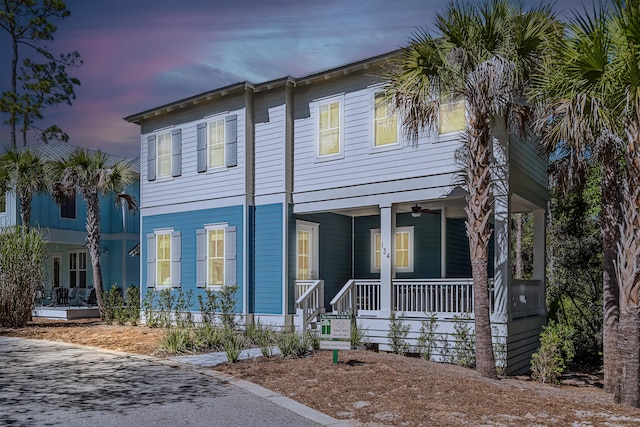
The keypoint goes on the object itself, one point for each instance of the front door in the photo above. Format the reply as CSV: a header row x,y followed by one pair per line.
x,y
306,251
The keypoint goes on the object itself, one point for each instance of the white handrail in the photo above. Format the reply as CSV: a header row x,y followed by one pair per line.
x,y
311,302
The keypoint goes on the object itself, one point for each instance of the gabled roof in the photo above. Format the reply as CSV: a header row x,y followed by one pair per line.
x,y
244,86
60,150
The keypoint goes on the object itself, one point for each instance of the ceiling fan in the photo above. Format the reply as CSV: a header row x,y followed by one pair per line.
x,y
416,211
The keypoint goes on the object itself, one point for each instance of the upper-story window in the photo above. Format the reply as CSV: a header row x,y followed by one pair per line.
x,y
68,207
329,127
452,116
164,154
163,157
217,143
385,123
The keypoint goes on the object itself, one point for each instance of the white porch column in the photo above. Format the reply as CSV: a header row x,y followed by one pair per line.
x,y
443,242
387,254
501,263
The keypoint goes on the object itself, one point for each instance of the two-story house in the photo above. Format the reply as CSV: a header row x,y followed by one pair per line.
x,y
64,228
306,194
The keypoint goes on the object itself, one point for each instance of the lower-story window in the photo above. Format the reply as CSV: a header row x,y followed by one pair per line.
x,y
77,269
215,256
163,258
403,250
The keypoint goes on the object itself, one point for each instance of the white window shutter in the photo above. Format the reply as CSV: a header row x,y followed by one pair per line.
x,y
151,157
201,258
176,261
231,140
151,260
230,256
202,147
176,152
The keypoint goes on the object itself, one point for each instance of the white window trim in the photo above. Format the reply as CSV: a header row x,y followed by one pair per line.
x,y
162,232
465,118
209,227
376,231
399,144
209,121
158,135
316,114
77,270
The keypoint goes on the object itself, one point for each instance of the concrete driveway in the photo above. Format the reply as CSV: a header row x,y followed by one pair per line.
x,y
43,383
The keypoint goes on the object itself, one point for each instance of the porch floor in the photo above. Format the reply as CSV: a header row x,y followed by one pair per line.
x,y
66,313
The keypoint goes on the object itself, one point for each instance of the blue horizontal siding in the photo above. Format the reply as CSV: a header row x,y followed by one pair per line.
x,y
187,223
458,258
269,249
426,246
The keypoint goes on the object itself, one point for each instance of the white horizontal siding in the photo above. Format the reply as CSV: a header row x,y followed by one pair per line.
x,y
361,163
270,153
192,186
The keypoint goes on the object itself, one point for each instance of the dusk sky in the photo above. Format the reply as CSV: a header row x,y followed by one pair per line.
x,y
140,54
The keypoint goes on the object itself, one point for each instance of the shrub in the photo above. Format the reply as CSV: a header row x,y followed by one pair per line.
x,y
113,306
397,334
132,309
555,353
208,304
292,344
464,347
177,341
22,256
233,345
358,336
261,336
226,302
182,309
427,339
209,337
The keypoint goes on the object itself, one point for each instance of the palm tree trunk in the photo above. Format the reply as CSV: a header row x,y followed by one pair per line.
x,y
628,388
610,232
627,392
94,241
25,210
478,211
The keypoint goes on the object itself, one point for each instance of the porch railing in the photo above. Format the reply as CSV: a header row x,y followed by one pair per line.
x,y
309,300
451,296
527,298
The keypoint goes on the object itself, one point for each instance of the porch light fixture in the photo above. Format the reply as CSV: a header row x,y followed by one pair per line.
x,y
416,211
105,250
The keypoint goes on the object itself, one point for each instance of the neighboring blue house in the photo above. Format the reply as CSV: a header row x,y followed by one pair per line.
x,y
63,226
305,193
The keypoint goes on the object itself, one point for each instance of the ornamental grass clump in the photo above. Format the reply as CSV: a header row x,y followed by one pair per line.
x,y
22,256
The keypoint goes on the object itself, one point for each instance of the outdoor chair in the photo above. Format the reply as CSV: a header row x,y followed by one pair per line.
x,y
89,300
72,294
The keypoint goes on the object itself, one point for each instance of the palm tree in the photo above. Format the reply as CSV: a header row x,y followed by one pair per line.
x,y
92,175
578,120
484,53
24,173
625,25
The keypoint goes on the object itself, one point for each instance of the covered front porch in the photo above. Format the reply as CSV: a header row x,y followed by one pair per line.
x,y
412,259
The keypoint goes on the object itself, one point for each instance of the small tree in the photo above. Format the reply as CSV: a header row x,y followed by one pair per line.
x,y
22,255
30,24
